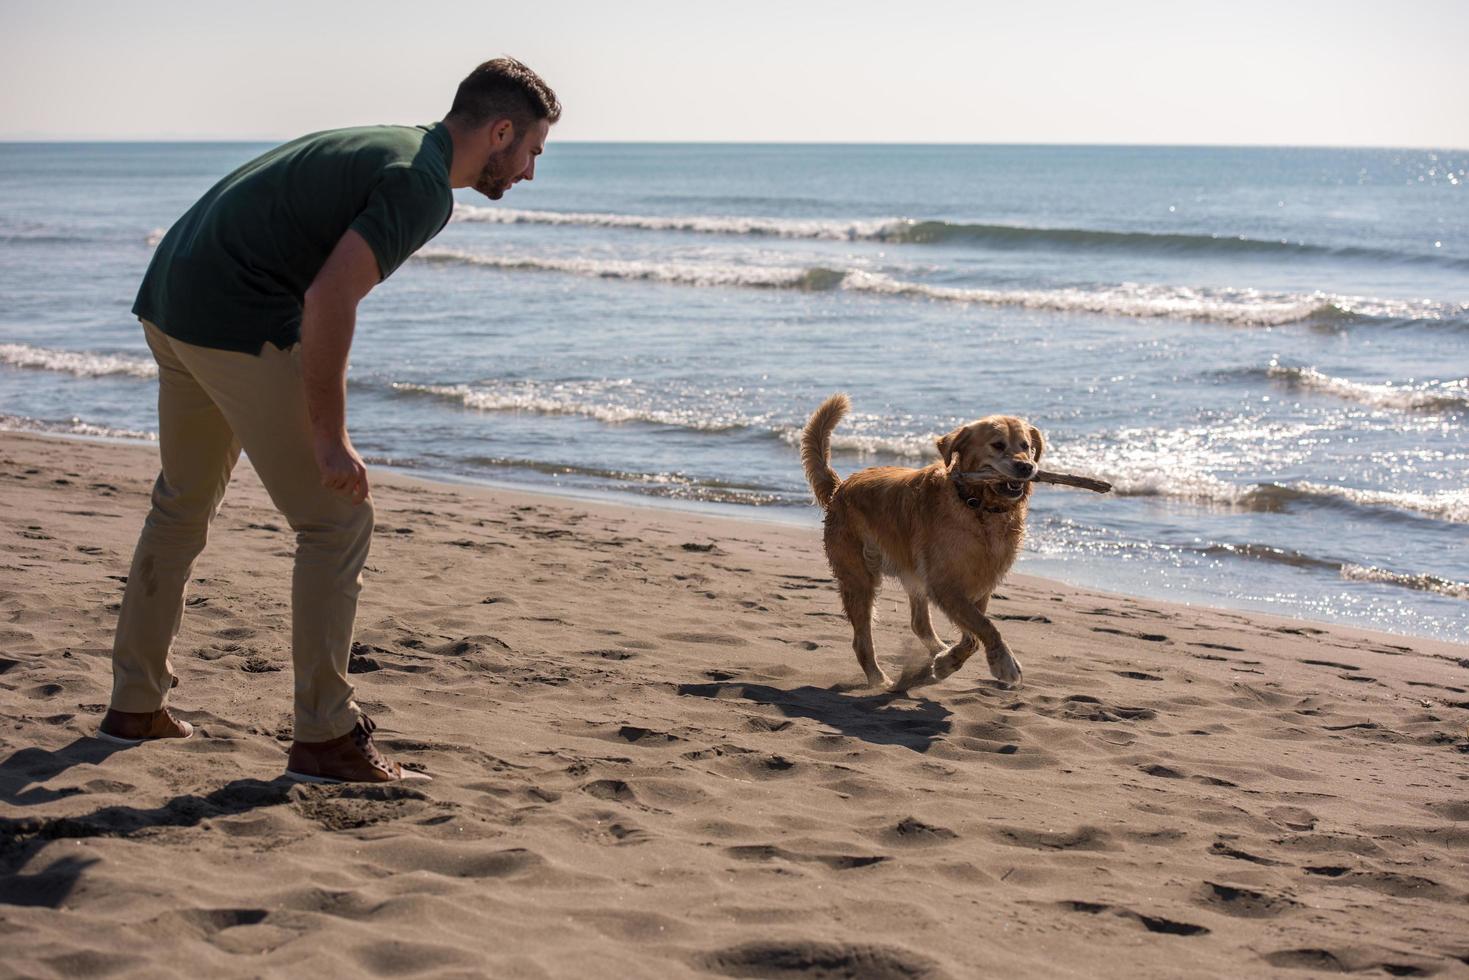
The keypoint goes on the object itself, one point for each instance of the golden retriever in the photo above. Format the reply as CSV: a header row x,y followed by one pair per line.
x,y
946,539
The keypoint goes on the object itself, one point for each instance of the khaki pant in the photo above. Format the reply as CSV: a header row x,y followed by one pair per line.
x,y
210,404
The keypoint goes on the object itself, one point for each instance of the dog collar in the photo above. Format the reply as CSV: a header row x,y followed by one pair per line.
x,y
973,503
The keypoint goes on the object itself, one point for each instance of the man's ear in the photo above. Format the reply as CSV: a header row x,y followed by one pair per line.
x,y
1037,443
502,134
952,443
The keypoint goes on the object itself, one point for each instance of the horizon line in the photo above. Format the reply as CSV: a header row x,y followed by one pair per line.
x,y
6,139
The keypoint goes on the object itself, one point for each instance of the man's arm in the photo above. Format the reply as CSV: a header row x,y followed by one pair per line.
x,y
327,323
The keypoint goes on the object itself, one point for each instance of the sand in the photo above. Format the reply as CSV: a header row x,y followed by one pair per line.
x,y
652,758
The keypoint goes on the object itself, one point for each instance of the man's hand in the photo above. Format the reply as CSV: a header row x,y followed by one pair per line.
x,y
328,319
342,470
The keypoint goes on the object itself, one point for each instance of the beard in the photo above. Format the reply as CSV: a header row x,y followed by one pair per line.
x,y
494,180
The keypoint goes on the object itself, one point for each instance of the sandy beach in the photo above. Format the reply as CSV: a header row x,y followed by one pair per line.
x,y
652,757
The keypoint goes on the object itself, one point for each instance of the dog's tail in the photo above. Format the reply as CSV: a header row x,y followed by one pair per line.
x,y
816,447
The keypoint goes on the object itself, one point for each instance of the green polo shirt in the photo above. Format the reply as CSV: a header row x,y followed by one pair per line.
x,y
232,272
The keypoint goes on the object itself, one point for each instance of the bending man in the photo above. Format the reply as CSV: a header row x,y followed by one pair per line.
x,y
249,307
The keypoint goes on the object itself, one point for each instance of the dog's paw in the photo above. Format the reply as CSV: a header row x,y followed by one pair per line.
x,y
1004,667
880,680
917,674
946,664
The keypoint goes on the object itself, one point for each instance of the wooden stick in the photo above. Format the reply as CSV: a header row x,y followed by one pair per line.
x,y
1042,476
1067,480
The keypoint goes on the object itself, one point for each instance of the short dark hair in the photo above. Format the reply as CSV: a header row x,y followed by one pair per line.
x,y
504,88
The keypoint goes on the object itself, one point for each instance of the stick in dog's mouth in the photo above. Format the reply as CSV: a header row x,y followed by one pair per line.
x,y
991,475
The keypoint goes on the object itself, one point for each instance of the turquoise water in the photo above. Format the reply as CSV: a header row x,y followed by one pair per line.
x,y
1266,350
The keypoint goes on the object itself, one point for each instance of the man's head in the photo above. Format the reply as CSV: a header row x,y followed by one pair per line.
x,y
501,116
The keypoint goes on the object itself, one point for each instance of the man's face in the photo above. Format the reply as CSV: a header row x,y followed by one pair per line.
x,y
513,161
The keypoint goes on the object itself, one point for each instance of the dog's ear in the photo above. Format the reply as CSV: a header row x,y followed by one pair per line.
x,y
952,443
1037,443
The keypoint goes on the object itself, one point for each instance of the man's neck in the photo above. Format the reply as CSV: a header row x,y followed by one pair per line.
x,y
463,171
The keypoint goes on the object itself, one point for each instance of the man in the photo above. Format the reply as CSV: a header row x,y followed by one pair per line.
x,y
249,306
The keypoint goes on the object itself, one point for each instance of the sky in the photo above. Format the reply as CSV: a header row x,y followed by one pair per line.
x,y
1284,72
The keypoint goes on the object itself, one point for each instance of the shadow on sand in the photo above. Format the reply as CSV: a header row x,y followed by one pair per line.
x,y
21,774
22,838
883,719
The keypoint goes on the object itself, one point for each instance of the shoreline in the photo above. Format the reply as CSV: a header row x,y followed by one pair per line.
x,y
788,517
652,756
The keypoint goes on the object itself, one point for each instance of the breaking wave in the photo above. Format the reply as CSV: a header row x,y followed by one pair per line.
x,y
72,426
1421,582
83,364
619,402
830,230
1427,396
926,232
1450,506
593,400
1242,307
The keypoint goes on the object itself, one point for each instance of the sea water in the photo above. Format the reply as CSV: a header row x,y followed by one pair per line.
x,y
1265,350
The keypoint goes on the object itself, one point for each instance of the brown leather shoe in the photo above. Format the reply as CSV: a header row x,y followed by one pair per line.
x,y
350,758
135,727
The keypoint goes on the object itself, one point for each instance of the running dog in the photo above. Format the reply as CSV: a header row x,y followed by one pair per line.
x,y
947,540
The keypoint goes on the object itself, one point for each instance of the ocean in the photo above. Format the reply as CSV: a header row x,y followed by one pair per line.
x,y
1265,350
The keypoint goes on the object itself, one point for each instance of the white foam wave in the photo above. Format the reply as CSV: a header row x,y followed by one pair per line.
x,y
1241,307
1427,396
622,401
1446,505
83,364
613,402
688,274
1223,464
1451,506
1245,307
914,447
73,426
774,227
1422,583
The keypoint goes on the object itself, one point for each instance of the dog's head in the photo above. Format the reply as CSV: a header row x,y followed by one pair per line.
x,y
1009,447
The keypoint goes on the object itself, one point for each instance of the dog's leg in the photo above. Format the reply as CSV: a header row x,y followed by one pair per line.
x,y
970,617
857,600
859,582
923,626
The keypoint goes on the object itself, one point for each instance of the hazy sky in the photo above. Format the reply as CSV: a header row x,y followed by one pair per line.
x,y
1129,71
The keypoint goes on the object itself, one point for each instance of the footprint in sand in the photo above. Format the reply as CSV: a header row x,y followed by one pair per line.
x,y
1083,838
1223,849
1397,885
717,639
912,832
1084,707
756,766
644,736
1342,961
771,852
608,654
1152,923
351,807
1150,637
1242,902
816,960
